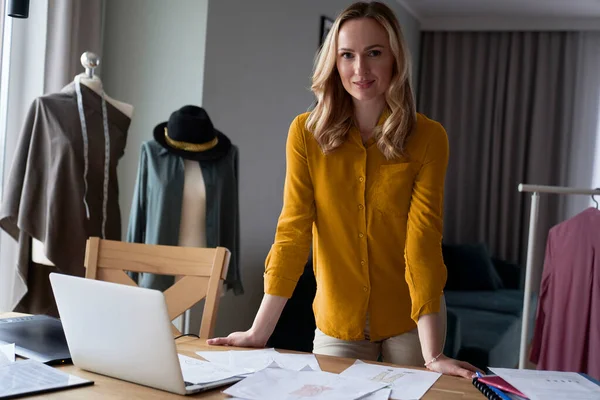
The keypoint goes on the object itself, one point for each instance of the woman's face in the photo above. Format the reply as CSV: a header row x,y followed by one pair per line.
x,y
364,59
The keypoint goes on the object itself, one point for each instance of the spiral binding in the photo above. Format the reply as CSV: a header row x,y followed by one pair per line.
x,y
486,390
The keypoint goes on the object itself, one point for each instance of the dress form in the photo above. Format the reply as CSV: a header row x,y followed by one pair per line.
x,y
192,228
90,62
95,84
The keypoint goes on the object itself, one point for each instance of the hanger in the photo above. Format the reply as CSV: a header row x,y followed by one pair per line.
x,y
594,200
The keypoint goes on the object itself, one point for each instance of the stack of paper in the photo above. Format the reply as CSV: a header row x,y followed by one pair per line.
x,y
281,376
257,360
406,384
201,372
282,384
539,385
30,376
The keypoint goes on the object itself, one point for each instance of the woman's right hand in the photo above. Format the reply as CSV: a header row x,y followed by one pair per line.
x,y
239,339
257,336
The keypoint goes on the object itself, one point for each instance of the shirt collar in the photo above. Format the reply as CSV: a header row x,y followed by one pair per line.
x,y
372,140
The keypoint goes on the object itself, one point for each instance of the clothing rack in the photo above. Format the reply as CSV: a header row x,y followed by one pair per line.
x,y
531,240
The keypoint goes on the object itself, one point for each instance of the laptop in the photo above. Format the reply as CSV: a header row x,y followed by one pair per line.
x,y
37,337
123,332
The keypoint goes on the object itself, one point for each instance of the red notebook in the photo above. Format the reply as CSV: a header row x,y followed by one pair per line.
x,y
501,384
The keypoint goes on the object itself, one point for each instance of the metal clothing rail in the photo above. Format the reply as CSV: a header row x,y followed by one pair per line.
x,y
531,240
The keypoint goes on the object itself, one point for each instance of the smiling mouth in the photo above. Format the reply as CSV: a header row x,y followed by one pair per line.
x,y
364,84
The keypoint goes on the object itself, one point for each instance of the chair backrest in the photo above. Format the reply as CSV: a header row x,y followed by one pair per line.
x,y
201,271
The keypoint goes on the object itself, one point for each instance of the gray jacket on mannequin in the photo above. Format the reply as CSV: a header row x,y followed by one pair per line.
x,y
156,207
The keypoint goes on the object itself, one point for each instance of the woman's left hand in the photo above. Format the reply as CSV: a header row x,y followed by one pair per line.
x,y
449,366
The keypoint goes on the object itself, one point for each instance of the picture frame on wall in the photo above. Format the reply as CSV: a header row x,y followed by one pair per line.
x,y
326,24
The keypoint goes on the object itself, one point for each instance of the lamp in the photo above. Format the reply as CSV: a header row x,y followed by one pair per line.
x,y
17,8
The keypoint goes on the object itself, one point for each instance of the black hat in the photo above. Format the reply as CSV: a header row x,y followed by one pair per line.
x,y
190,134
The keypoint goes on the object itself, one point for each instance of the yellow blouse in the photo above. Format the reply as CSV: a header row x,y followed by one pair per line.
x,y
375,226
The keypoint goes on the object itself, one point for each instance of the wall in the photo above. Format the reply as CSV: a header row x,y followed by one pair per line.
x,y
259,57
411,28
153,58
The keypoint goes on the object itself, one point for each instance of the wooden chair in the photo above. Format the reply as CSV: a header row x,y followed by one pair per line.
x,y
201,271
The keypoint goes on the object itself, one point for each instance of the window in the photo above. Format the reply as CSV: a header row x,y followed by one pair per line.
x,y
5,36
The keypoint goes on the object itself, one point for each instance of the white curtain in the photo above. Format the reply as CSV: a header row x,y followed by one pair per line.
x,y
24,45
43,55
584,153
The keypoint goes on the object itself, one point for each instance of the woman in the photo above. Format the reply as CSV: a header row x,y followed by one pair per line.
x,y
364,180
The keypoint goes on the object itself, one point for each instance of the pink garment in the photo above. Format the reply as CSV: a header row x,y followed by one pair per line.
x,y
567,328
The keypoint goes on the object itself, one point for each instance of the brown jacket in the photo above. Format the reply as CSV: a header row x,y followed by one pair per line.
x,y
43,197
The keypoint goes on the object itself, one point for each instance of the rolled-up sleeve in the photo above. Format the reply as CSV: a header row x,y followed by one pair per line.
x,y
289,253
425,270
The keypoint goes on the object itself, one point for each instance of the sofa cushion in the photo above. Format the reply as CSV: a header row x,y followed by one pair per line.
x,y
510,273
488,338
506,301
470,267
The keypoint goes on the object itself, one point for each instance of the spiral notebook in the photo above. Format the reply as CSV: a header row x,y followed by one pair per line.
x,y
490,392
540,384
500,384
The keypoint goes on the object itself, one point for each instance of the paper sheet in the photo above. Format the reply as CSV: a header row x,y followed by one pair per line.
x,y
29,375
383,394
256,360
217,356
540,385
199,372
7,354
406,384
283,384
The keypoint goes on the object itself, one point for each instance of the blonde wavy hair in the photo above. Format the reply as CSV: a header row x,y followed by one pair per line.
x,y
332,117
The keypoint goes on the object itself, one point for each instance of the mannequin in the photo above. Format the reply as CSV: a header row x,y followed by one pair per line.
x,y
187,192
95,84
90,62
192,230
76,198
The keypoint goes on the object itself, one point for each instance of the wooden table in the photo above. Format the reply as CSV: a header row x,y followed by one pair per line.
x,y
446,387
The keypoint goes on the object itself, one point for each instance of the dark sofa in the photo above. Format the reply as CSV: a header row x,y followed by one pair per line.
x,y
483,298
485,303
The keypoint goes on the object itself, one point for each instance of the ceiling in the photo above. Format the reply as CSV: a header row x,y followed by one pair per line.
x,y
513,15
510,8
